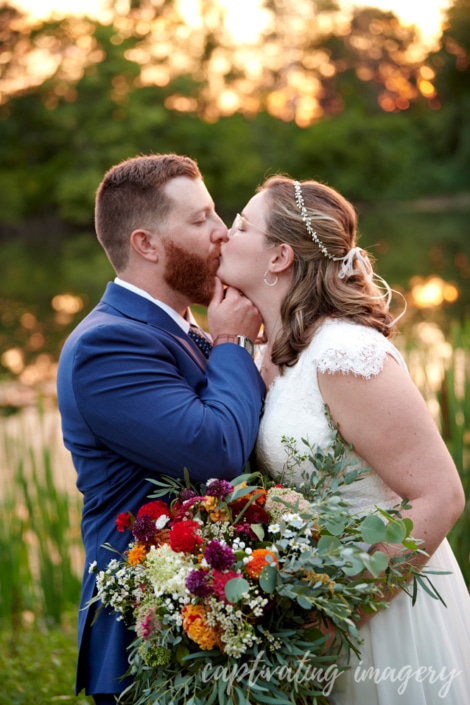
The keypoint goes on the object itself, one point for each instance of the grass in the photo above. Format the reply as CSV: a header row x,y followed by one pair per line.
x,y
38,664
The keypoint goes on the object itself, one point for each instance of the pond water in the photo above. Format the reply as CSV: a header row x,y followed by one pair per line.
x,y
47,286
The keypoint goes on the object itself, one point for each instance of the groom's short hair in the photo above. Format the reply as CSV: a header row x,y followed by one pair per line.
x,y
131,196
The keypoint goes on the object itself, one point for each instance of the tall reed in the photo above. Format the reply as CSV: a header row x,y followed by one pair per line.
x,y
39,532
441,369
454,405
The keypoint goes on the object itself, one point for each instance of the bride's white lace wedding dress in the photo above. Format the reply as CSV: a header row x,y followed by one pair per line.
x,y
414,655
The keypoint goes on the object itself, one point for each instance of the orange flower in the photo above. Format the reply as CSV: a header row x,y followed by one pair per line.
x,y
136,554
219,515
196,627
210,503
258,561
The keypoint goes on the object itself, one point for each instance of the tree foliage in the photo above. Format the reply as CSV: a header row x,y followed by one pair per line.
x,y
343,102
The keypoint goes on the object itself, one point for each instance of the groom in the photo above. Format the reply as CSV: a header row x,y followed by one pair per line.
x,y
137,396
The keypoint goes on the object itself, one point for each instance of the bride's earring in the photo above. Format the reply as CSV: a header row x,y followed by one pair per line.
x,y
270,283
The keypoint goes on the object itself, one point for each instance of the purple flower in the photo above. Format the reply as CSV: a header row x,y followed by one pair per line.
x,y
246,530
144,529
219,555
219,488
186,494
196,582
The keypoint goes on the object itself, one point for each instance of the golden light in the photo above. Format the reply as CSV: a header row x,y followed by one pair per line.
x,y
427,89
181,103
28,321
229,102
450,293
67,303
427,73
175,45
433,292
13,359
43,368
36,341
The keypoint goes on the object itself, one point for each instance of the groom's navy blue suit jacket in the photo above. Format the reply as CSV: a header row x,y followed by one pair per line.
x,y
138,399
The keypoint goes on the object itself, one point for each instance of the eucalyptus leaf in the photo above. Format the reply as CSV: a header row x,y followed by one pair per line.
x,y
336,527
268,579
378,563
409,525
236,588
353,567
395,532
328,544
373,529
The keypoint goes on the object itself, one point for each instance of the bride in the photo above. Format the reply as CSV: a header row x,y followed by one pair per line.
x,y
293,252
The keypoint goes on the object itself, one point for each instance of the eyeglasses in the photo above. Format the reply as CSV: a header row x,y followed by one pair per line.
x,y
239,221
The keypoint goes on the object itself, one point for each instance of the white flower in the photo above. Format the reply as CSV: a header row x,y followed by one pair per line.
x,y
274,528
92,567
292,518
168,570
162,521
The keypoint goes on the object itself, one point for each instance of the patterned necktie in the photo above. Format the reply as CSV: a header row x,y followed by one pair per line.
x,y
203,343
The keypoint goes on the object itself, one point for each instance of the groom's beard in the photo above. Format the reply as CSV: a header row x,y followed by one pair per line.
x,y
190,274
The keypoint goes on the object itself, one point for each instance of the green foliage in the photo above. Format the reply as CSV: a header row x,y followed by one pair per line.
x,y
454,404
38,664
59,138
39,534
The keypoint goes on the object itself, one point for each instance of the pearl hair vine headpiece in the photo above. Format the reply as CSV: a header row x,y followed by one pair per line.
x,y
299,199
355,254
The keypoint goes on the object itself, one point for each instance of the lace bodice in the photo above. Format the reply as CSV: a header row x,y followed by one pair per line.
x,y
295,408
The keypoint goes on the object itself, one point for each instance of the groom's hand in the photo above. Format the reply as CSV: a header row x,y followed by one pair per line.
x,y
231,313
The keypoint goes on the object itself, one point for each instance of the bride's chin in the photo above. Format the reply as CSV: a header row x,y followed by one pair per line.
x,y
223,278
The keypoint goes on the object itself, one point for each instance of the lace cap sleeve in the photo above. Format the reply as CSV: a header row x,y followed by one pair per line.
x,y
343,346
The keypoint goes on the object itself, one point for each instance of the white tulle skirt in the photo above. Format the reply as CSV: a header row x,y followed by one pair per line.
x,y
415,655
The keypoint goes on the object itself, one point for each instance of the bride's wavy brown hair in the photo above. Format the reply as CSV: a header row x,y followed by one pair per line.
x,y
316,291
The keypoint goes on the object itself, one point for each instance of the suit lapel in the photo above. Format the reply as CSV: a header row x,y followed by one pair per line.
x,y
131,305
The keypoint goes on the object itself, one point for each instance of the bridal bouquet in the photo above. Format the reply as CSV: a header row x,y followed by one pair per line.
x,y
234,588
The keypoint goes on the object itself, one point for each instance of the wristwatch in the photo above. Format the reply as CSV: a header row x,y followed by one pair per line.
x,y
240,340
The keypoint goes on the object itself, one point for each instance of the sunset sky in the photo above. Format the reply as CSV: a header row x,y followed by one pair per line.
x,y
427,18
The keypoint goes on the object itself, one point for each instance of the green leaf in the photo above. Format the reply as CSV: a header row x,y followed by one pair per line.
x,y
373,529
304,602
378,563
268,579
180,653
327,544
409,525
258,530
336,527
236,588
410,544
353,567
395,532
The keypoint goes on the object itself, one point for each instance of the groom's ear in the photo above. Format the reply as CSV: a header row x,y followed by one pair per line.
x,y
282,258
144,243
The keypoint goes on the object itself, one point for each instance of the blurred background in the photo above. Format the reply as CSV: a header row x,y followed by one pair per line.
x,y
373,100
